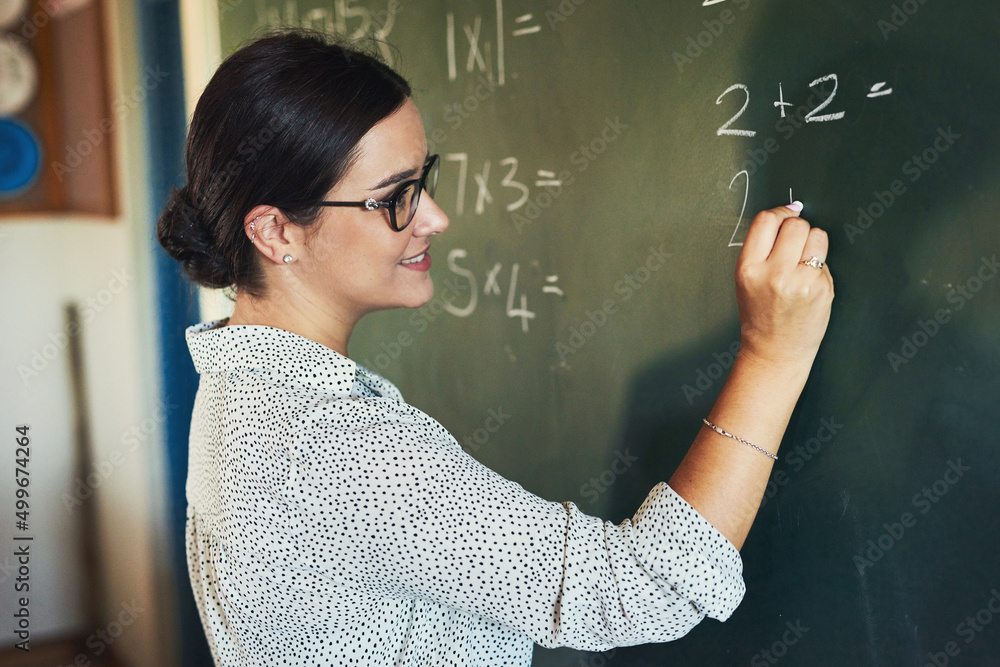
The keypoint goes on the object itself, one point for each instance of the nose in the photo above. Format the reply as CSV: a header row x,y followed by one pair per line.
x,y
429,218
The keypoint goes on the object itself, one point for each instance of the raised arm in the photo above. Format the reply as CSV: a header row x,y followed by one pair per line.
x,y
784,309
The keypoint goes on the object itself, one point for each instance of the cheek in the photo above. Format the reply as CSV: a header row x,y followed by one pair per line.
x,y
363,260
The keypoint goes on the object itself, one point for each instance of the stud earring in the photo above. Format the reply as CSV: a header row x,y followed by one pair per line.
x,y
288,259
253,228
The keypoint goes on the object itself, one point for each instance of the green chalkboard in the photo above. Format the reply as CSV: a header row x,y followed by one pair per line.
x,y
601,161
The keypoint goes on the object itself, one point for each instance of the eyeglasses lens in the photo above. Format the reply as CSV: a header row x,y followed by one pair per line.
x,y
409,198
405,206
432,177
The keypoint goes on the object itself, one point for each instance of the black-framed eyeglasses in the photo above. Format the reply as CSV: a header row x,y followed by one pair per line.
x,y
402,204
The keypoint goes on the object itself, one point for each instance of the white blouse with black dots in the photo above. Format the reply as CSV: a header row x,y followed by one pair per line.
x,y
330,523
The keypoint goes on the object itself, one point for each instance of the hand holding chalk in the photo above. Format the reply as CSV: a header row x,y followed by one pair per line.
x,y
784,310
783,287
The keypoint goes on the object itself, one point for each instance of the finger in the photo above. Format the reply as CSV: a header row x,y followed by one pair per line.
x,y
763,232
790,244
817,245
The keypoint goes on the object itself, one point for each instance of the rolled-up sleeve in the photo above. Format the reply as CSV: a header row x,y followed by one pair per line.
x,y
382,500
648,579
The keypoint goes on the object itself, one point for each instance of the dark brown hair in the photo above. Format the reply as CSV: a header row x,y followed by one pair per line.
x,y
278,124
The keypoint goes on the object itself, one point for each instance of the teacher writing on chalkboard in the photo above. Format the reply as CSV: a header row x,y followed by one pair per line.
x,y
331,523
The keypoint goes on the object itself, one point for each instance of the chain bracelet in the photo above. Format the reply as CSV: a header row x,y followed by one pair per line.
x,y
736,437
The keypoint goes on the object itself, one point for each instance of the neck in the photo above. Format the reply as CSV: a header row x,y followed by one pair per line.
x,y
295,314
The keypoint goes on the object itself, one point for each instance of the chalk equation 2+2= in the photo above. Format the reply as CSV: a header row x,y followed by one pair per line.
x,y
814,116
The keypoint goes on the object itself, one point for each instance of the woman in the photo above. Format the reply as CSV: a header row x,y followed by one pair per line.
x,y
331,523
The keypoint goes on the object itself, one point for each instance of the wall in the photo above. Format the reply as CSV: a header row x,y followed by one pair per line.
x,y
105,267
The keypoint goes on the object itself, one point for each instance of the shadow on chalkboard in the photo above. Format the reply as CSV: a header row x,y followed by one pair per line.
x,y
899,415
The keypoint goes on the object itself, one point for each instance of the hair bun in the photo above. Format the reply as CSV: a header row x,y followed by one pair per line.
x,y
184,234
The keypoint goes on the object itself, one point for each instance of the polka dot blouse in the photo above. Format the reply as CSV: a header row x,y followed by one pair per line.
x,y
330,523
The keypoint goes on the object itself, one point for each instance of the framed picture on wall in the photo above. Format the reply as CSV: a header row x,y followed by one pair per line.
x,y
57,123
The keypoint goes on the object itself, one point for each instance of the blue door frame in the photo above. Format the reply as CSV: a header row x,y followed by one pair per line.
x,y
166,123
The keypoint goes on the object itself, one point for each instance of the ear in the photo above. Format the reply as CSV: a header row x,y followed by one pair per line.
x,y
266,227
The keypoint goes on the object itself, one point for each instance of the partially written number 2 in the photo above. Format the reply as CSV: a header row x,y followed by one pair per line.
x,y
746,194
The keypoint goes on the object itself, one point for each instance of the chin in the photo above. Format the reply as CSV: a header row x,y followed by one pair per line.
x,y
419,303
419,298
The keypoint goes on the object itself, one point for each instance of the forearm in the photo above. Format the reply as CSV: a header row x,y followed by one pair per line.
x,y
725,479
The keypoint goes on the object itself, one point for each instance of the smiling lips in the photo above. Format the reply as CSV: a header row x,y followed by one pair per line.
x,y
421,262
414,260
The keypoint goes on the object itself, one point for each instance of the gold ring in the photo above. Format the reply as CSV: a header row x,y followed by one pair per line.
x,y
814,262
